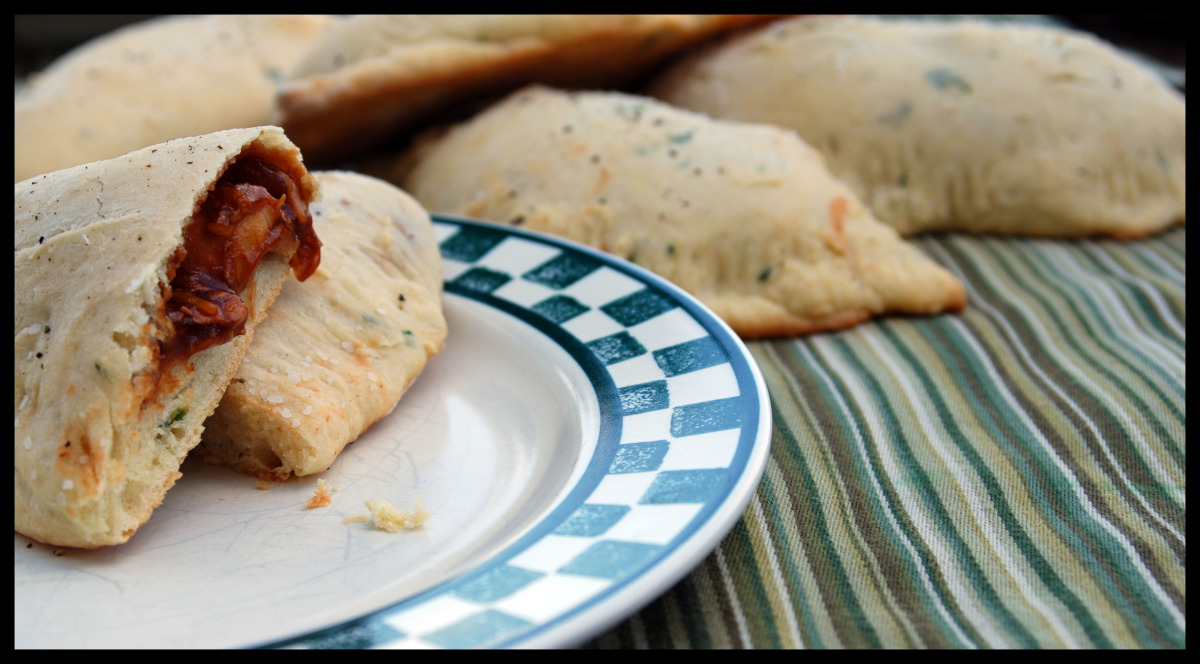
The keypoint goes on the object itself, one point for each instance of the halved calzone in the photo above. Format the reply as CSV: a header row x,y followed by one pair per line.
x,y
336,352
744,217
138,283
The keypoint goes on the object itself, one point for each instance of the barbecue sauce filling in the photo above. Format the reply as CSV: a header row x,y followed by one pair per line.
x,y
257,206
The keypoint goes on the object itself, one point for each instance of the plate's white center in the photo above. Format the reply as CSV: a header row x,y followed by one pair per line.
x,y
490,436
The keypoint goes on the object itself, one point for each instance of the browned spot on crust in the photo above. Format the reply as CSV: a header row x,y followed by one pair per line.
x,y
838,208
602,181
79,459
574,149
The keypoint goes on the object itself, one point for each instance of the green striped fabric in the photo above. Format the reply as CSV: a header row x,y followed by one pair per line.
x,y
1010,477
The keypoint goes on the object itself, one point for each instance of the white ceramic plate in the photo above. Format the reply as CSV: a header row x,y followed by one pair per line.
x,y
588,436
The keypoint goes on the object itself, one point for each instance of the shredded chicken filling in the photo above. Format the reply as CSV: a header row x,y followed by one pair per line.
x,y
257,206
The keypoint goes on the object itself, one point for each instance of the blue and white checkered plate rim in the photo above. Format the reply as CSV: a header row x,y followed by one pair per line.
x,y
683,437
587,436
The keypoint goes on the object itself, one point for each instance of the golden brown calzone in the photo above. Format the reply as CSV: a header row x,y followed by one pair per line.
x,y
961,125
336,352
745,217
374,77
139,281
153,81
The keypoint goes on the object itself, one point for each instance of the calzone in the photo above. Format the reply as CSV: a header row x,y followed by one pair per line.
x,y
961,125
336,352
155,80
372,78
138,283
745,217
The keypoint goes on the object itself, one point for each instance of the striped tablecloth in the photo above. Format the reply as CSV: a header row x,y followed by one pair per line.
x,y
1011,477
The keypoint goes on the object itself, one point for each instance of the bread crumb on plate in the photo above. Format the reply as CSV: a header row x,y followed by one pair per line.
x,y
386,516
320,496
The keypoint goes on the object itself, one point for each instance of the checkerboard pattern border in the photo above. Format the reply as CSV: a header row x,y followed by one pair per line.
x,y
680,411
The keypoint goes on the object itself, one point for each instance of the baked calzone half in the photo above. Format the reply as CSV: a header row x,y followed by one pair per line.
x,y
337,352
138,284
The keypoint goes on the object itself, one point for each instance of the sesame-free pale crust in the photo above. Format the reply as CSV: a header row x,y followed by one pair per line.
x,y
101,428
960,125
371,78
338,351
744,217
153,81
